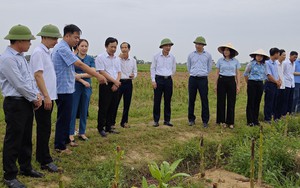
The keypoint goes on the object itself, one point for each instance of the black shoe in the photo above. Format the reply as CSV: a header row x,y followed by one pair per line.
x,y
113,132
191,123
205,125
156,124
167,123
32,173
51,167
103,133
14,183
250,124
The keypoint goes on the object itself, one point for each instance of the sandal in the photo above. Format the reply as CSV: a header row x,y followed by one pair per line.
x,y
231,126
83,138
224,125
73,143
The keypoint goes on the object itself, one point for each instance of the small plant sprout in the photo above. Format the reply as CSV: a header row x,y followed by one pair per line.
x,y
260,162
164,174
252,163
218,155
202,158
119,156
61,183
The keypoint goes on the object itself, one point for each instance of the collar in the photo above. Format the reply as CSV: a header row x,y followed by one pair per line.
x,y
44,48
14,52
108,56
161,54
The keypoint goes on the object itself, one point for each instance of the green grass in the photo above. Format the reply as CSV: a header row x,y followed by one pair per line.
x,y
91,164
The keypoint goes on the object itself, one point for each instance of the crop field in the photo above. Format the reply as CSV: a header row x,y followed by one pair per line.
x,y
225,151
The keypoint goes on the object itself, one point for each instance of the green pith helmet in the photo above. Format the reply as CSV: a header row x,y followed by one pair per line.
x,y
19,32
50,31
165,41
200,40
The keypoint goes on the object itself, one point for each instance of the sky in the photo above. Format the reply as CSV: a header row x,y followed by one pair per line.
x,y
247,24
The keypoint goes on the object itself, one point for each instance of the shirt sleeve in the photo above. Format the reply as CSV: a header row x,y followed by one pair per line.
x,y
174,66
13,75
152,69
218,65
67,55
36,62
267,69
210,63
99,64
92,62
247,69
134,68
188,64
238,65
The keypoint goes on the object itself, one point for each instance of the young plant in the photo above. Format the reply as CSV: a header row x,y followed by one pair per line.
x,y
260,162
119,156
202,158
252,164
164,174
218,155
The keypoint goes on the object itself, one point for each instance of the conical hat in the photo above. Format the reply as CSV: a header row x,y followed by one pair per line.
x,y
259,52
228,45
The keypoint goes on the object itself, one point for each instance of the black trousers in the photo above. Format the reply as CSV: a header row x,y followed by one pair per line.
x,y
107,107
279,104
198,84
164,87
43,132
288,100
125,91
64,104
270,96
17,143
255,90
226,88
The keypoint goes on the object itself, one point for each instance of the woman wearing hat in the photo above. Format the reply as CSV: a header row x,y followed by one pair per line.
x,y
228,84
255,75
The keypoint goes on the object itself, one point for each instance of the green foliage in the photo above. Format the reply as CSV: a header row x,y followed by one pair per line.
x,y
164,174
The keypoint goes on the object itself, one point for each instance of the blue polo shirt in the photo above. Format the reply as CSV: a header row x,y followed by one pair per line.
x,y
89,61
255,71
297,69
63,61
271,68
199,64
228,67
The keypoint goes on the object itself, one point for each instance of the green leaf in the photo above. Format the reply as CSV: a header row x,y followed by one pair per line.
x,y
164,168
144,183
174,165
179,175
154,170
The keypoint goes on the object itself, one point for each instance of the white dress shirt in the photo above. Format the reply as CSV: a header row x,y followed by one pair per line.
x,y
40,60
128,66
280,73
162,65
111,65
288,73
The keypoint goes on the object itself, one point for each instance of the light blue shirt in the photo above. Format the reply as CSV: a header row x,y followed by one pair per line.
x,y
15,76
271,68
297,69
63,60
89,61
199,64
228,67
255,71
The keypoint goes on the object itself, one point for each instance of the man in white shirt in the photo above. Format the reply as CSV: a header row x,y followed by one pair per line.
x,y
128,73
162,68
280,91
108,65
289,82
43,71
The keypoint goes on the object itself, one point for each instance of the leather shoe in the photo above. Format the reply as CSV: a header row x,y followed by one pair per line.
x,y
32,173
113,132
51,167
14,183
191,123
156,124
103,133
167,123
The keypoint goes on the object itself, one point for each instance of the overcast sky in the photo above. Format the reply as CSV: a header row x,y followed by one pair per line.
x,y
247,24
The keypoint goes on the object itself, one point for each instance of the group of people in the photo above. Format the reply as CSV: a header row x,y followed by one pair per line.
x,y
64,76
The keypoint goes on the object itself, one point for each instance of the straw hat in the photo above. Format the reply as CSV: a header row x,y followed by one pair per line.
x,y
228,45
259,52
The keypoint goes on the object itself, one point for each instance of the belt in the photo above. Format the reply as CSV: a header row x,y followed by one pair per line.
x,y
163,77
125,80
199,77
15,98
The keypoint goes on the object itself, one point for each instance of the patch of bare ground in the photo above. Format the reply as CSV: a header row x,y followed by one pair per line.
x,y
66,180
221,178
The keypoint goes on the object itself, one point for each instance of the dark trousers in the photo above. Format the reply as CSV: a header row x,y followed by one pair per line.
x,y
226,88
17,143
270,96
43,132
64,111
164,87
279,108
288,100
107,107
296,98
198,84
254,93
125,91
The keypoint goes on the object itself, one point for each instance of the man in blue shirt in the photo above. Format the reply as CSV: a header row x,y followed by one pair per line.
x,y
199,65
21,98
64,61
296,99
272,83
